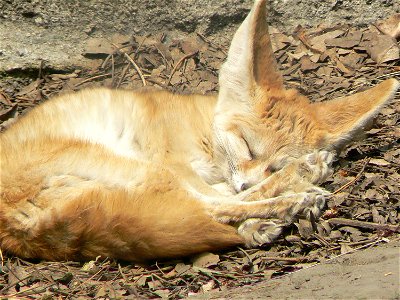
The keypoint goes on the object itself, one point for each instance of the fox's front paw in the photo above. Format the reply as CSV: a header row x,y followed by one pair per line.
x,y
257,232
316,167
312,202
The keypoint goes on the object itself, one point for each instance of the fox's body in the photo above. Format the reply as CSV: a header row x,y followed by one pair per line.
x,y
145,175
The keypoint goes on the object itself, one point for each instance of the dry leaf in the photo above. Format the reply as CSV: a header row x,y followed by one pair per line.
x,y
33,86
344,248
17,275
10,113
205,260
379,162
349,41
306,229
318,42
382,48
207,286
306,64
390,26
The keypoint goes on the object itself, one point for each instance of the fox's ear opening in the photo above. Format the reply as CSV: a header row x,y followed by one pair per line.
x,y
344,118
250,60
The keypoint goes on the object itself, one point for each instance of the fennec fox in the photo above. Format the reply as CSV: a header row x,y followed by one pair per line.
x,y
148,175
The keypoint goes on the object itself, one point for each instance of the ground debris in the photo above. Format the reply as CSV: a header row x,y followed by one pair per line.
x,y
323,63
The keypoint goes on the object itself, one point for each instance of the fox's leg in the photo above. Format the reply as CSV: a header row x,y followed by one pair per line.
x,y
300,175
77,218
284,208
267,218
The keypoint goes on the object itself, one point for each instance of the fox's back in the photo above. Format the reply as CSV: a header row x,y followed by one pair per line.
x,y
140,125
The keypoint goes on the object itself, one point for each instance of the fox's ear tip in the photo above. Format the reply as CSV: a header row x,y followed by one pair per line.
x,y
394,83
259,2
390,84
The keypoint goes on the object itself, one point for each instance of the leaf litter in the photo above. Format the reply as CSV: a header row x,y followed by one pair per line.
x,y
323,63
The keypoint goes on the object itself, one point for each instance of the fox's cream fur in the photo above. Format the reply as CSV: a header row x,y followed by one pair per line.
x,y
147,175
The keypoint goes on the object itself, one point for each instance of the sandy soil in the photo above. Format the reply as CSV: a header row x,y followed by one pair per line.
x,y
365,274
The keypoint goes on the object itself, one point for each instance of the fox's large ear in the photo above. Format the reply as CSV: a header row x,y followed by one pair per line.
x,y
250,62
344,118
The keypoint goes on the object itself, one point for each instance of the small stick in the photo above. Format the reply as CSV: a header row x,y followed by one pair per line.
x,y
136,67
122,75
178,64
354,244
321,239
366,225
288,259
211,43
31,291
211,277
132,62
358,176
301,35
2,258
112,68
122,273
247,256
92,78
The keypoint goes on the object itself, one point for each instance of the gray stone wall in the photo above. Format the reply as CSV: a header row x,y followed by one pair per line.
x,y
57,30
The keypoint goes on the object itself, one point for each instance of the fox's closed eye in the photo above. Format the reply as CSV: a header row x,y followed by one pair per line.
x,y
272,169
251,155
277,165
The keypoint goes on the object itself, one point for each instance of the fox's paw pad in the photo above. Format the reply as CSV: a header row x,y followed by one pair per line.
x,y
316,167
312,203
257,232
325,157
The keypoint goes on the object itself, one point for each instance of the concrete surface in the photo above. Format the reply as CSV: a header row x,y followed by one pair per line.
x,y
56,31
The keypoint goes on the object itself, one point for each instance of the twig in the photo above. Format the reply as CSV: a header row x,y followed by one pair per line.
x,y
321,239
2,258
362,224
288,259
248,257
32,291
211,277
301,35
159,269
93,78
122,273
355,243
136,67
389,75
149,272
140,46
130,59
117,49
178,64
122,75
112,68
211,43
71,291
358,176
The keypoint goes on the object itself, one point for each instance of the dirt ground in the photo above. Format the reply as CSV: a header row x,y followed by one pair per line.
x,y
322,62
365,274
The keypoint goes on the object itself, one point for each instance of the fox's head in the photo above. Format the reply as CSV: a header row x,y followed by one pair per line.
x,y
259,125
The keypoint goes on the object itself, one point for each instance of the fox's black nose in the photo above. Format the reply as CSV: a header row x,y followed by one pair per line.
x,y
244,187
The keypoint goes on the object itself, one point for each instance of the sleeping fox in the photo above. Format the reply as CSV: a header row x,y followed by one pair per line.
x,y
149,175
